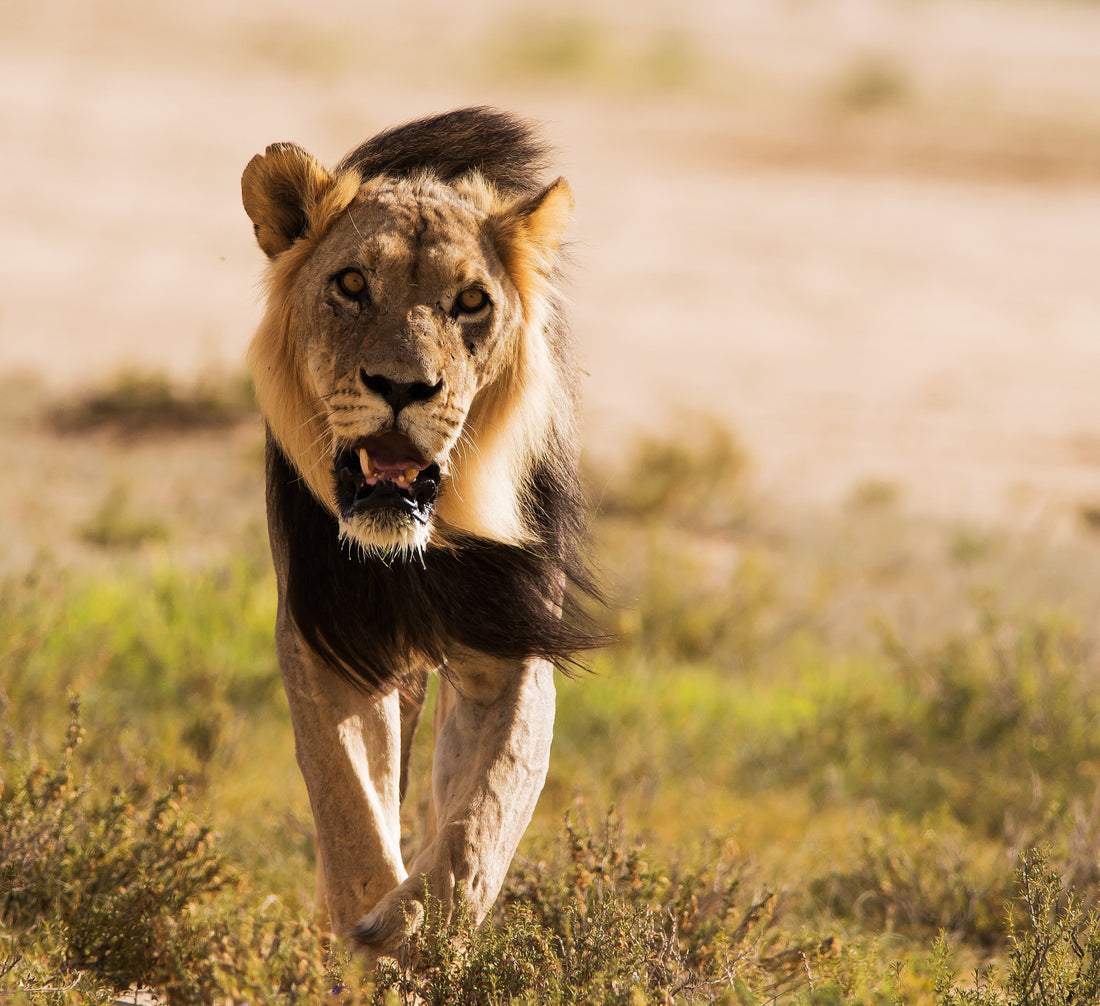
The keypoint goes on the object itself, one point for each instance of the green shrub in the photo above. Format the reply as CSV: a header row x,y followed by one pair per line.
x,y
115,525
1053,949
922,880
695,478
934,733
103,874
607,926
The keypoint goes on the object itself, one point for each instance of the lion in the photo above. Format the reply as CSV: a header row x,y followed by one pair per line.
x,y
417,380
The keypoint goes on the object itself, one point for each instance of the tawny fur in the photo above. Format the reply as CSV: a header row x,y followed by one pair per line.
x,y
482,588
508,423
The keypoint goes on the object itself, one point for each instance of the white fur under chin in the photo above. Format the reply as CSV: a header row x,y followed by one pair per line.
x,y
404,541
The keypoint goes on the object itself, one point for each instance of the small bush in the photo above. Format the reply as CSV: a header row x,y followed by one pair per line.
x,y
1053,951
874,494
871,84
607,926
111,892
695,478
136,404
104,874
923,879
114,525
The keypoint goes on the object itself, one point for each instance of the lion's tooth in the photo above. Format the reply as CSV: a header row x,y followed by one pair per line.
x,y
411,473
365,462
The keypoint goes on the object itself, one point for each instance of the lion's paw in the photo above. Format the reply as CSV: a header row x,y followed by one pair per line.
x,y
390,923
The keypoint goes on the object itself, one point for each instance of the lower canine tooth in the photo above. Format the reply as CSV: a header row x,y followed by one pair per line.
x,y
411,474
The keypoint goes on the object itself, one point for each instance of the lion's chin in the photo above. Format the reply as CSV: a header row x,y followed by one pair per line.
x,y
385,534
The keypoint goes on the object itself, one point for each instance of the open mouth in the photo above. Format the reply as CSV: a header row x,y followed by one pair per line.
x,y
386,472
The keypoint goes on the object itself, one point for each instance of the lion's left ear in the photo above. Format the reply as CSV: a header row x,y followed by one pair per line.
x,y
528,234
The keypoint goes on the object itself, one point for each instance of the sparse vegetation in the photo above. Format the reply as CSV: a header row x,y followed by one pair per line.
x,y
584,51
113,525
135,404
873,83
799,819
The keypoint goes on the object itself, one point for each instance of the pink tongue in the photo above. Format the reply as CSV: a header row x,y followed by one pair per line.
x,y
391,457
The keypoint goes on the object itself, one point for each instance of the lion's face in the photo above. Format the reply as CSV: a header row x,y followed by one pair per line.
x,y
402,365
405,314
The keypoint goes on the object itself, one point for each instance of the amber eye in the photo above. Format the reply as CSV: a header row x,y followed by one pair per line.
x,y
352,282
471,301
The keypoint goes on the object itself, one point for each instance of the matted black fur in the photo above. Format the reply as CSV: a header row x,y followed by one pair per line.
x,y
366,616
500,146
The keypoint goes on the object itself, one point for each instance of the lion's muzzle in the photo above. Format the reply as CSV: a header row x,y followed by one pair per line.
x,y
386,472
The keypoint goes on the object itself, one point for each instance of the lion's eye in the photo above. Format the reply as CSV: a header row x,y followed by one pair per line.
x,y
471,301
352,282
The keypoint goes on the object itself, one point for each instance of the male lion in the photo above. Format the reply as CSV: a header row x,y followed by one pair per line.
x,y
417,382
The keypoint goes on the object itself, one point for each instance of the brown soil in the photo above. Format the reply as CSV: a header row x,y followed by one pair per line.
x,y
866,234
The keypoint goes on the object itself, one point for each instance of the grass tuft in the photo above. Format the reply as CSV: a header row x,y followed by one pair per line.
x,y
871,84
115,526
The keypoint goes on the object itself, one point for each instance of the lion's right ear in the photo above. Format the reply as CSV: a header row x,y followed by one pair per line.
x,y
280,189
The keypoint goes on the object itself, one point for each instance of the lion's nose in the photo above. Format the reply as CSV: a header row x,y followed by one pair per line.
x,y
398,394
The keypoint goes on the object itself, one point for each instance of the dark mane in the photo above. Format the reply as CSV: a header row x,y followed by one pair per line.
x,y
365,616
503,148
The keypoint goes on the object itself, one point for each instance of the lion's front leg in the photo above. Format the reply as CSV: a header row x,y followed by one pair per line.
x,y
348,745
491,756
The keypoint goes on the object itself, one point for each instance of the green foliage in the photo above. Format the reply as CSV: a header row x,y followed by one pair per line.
x,y
102,874
884,792
696,477
607,926
190,646
920,879
1053,952
949,718
686,610
682,597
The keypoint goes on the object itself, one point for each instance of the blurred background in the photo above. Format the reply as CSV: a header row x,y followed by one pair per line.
x,y
865,233
836,295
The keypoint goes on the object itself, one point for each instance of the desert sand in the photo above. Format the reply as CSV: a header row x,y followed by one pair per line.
x,y
863,233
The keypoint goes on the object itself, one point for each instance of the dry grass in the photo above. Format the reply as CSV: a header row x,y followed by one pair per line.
x,y
809,789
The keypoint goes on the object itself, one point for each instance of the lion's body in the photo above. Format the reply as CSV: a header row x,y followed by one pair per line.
x,y
417,382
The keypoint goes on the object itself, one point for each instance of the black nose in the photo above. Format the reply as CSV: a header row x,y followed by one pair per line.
x,y
397,394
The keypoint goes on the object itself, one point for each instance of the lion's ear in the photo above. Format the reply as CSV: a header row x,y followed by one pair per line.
x,y
528,234
280,188
546,216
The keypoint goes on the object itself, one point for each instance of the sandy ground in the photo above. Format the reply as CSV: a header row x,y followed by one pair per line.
x,y
865,233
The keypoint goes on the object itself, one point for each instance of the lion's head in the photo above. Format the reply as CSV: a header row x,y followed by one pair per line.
x,y
404,365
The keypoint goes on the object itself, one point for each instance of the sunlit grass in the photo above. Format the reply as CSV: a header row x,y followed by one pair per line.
x,y
853,802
